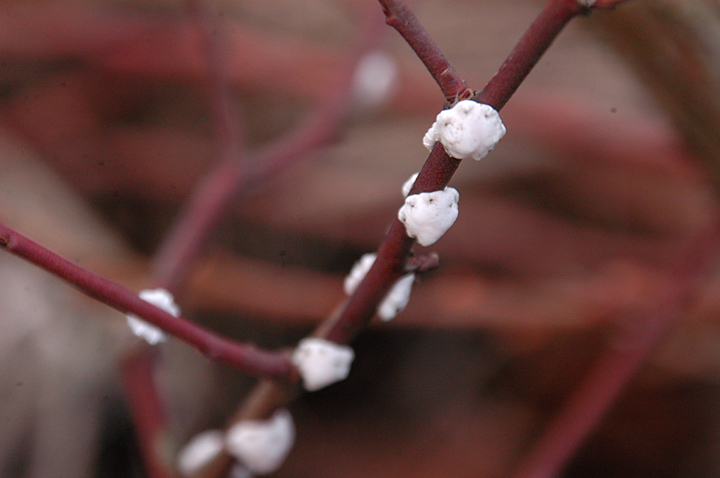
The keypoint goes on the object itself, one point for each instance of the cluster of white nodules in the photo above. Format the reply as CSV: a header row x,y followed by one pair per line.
x,y
200,451
467,130
358,272
427,216
407,185
321,362
262,445
396,299
161,299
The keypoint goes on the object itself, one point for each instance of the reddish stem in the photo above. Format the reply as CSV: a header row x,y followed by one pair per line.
x,y
245,357
209,202
399,16
138,375
215,195
224,112
535,42
435,174
140,386
439,167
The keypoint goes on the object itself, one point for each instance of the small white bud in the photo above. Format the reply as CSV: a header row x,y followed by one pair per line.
x,y
200,451
321,362
161,299
427,216
358,272
375,79
262,445
407,185
586,3
397,299
467,130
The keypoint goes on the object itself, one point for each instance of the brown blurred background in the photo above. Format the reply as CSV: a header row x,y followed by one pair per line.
x,y
608,172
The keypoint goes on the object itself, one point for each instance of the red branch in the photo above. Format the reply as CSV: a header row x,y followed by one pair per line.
x,y
216,193
535,42
138,369
399,16
435,174
246,357
439,167
138,375
543,31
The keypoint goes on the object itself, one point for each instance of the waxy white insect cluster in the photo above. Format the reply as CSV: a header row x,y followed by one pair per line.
x,y
375,80
260,446
467,130
200,451
396,299
427,216
321,362
161,299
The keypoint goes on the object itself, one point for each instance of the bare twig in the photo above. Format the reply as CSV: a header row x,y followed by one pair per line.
x,y
596,394
246,357
211,198
535,42
184,244
222,186
435,174
147,413
395,247
399,16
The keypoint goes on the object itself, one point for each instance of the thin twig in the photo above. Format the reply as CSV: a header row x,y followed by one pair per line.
x,y
226,182
245,357
395,247
139,385
543,31
147,412
536,41
439,167
210,199
399,16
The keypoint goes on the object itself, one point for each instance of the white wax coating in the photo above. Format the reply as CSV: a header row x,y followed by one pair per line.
x,y
321,362
397,299
467,130
375,79
262,445
427,216
200,451
407,185
159,298
358,272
